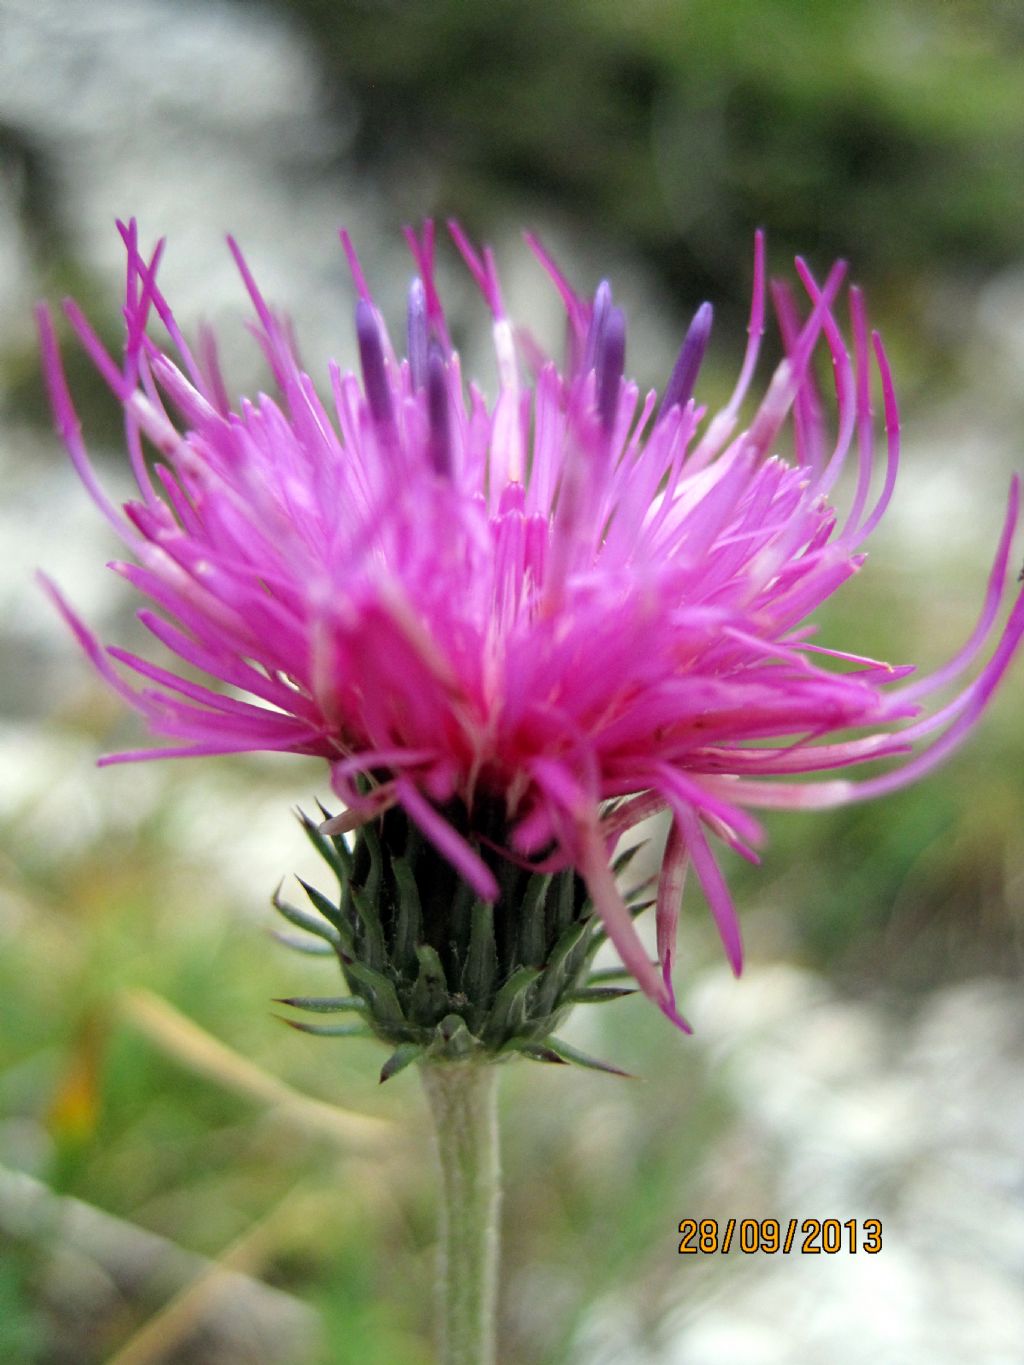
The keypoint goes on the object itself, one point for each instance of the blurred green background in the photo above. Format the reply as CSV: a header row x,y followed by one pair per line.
x,y
646,142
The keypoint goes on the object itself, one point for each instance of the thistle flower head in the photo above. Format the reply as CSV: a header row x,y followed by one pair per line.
x,y
574,606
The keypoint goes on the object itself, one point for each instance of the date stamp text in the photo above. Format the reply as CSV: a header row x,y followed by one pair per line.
x,y
804,1237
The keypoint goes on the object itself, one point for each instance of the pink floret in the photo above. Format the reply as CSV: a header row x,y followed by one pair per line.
x,y
561,599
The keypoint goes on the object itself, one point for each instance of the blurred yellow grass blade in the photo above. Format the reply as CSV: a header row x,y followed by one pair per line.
x,y
86,1256
166,1329
181,1038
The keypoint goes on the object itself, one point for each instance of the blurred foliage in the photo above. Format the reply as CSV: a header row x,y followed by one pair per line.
x,y
97,1109
888,133
667,130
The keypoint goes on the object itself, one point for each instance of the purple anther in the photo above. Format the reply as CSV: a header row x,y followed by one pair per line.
x,y
371,357
598,322
679,388
417,333
439,446
609,363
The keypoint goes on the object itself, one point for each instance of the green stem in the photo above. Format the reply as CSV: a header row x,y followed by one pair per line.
x,y
462,1097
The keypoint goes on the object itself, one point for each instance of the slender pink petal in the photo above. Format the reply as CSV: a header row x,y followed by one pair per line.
x,y
447,840
711,879
594,869
671,881
993,597
355,269
374,804
68,426
892,433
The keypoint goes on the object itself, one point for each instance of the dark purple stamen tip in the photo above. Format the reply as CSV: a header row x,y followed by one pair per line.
x,y
609,363
598,322
371,357
439,445
679,389
417,334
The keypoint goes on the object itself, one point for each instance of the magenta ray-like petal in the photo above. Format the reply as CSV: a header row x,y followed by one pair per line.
x,y
466,862
671,881
593,866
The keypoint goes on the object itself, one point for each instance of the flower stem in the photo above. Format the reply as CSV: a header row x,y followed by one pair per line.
x,y
463,1100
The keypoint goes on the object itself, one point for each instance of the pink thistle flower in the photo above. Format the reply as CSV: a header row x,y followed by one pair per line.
x,y
576,603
